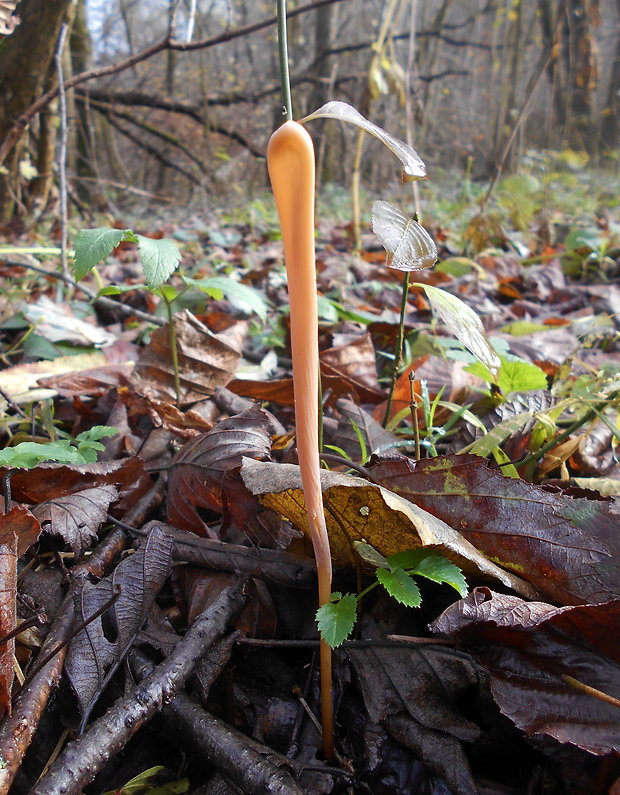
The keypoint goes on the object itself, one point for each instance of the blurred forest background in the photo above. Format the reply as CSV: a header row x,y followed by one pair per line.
x,y
175,99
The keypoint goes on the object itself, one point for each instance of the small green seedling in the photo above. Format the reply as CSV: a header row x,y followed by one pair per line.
x,y
395,573
81,450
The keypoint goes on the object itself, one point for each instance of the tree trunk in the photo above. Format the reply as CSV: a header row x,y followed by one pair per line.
x,y
610,116
25,61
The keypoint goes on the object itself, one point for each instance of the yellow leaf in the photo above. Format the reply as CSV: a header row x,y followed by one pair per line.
x,y
356,510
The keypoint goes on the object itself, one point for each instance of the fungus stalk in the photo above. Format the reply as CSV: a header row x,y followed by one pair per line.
x,y
290,159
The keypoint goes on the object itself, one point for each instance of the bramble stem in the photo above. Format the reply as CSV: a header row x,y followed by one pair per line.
x,y
285,80
172,340
398,349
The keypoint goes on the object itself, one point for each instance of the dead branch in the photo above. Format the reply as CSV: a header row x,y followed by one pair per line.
x,y
16,731
166,43
106,109
269,564
101,301
82,759
247,764
152,150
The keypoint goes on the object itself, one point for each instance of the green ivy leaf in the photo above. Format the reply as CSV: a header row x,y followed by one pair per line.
x,y
217,286
336,620
159,259
93,246
400,586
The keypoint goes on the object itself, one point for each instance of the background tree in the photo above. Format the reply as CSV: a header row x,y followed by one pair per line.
x,y
26,69
187,120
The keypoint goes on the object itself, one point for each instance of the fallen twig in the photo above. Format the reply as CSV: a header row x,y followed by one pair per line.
x,y
244,762
83,758
270,564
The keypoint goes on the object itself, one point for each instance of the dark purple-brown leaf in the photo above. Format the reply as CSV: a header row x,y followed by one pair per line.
x,y
538,657
101,645
199,468
568,548
76,517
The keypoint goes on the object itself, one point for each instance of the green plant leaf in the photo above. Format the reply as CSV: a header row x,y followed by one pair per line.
x,y
515,375
465,324
95,433
218,286
409,246
118,289
441,570
400,586
336,620
413,165
159,259
28,454
370,555
493,438
93,246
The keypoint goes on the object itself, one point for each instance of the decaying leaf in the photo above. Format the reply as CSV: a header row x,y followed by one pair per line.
x,y
57,323
101,645
75,518
356,427
206,360
49,481
20,382
414,694
199,468
529,648
568,548
408,244
413,166
356,510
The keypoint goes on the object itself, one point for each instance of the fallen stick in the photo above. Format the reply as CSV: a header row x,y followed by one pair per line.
x,y
247,764
83,758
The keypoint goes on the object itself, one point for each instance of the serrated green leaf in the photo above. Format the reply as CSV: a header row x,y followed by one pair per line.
x,y
237,293
400,586
96,432
159,259
93,246
441,570
336,620
407,559
464,323
515,375
433,567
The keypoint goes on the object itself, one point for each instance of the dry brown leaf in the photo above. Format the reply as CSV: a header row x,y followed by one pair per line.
x,y
206,360
356,510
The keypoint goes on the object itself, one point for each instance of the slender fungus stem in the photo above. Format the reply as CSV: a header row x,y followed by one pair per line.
x,y
290,159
